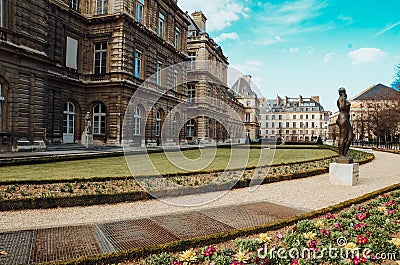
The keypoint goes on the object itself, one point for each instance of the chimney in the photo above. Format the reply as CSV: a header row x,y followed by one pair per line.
x,y
286,100
300,99
278,100
315,98
200,19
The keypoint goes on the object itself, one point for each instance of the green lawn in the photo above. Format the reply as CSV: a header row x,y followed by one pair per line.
x,y
190,160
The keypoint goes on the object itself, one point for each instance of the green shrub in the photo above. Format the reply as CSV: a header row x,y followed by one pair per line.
x,y
161,259
246,244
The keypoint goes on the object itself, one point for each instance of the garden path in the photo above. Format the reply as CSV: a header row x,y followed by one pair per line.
x,y
305,194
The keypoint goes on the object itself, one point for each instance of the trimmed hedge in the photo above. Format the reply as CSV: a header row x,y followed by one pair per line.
x,y
182,245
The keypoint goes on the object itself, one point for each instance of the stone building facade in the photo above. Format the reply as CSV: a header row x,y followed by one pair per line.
x,y
293,119
62,59
208,89
242,89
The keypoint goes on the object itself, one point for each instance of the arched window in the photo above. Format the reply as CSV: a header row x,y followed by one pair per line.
x,y
190,128
158,123
137,119
99,119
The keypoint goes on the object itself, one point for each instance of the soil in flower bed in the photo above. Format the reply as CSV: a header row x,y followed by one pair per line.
x,y
368,233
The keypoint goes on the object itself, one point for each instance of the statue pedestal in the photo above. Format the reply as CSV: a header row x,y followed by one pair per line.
x,y
344,174
87,140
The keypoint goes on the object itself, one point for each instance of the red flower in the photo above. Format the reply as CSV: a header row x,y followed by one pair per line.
x,y
385,196
294,262
325,232
390,203
359,260
337,225
362,240
330,216
177,262
312,244
209,251
368,233
361,216
294,228
357,226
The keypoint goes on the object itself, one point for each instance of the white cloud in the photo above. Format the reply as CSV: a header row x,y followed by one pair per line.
x,y
367,55
289,18
249,67
347,19
226,36
293,50
219,13
329,57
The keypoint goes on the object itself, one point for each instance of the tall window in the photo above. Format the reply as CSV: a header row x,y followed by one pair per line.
x,y
191,92
140,10
190,128
247,117
176,38
158,123
99,119
138,64
101,7
71,60
1,13
137,118
1,106
175,126
175,80
69,118
160,25
192,58
74,4
158,74
100,58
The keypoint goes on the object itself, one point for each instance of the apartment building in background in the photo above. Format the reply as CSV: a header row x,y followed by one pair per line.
x,y
289,119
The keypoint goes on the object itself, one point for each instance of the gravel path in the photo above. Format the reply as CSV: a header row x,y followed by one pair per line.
x,y
305,194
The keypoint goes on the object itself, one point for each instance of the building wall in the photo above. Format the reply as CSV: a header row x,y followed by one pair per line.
x,y
295,119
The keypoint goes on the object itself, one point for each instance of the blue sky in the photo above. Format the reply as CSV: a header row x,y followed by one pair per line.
x,y
307,47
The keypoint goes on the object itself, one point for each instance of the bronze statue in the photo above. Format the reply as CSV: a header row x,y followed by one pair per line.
x,y
345,128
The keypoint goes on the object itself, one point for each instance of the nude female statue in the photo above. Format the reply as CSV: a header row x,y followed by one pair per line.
x,y
345,128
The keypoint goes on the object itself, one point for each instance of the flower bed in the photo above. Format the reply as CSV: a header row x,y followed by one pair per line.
x,y
364,234
83,192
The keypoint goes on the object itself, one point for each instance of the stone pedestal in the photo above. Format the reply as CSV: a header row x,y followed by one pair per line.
x,y
344,174
87,140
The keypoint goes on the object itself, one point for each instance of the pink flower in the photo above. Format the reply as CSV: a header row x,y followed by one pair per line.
x,y
209,251
385,196
362,240
390,212
358,260
392,202
177,262
325,232
368,233
330,216
361,216
294,262
279,235
337,225
312,244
